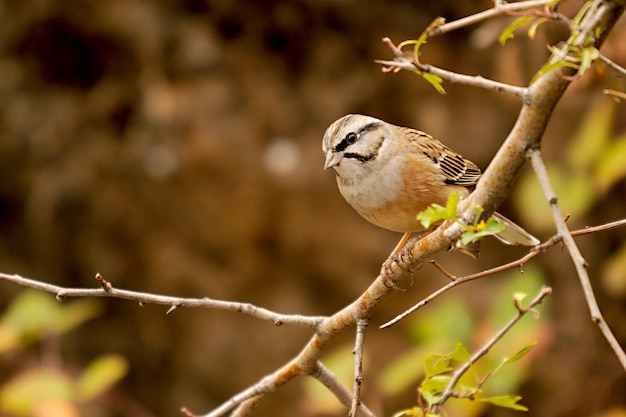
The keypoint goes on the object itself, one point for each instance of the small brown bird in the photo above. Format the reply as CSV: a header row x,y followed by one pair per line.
x,y
389,174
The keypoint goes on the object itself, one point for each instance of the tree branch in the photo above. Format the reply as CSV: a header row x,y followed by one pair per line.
x,y
498,9
361,328
577,258
107,290
456,281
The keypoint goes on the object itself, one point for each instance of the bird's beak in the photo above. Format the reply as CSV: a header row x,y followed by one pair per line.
x,y
332,159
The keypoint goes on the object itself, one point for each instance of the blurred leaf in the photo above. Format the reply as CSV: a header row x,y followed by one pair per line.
x,y
574,190
614,273
521,353
10,337
404,371
508,378
101,375
410,412
528,282
448,321
433,330
506,401
611,167
432,388
22,394
436,365
35,314
318,399
519,296
460,354
592,136
507,33
574,182
55,408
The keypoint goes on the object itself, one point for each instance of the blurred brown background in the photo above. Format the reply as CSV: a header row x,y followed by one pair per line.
x,y
175,147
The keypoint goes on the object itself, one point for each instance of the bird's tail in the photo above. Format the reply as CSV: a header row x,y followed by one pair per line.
x,y
514,234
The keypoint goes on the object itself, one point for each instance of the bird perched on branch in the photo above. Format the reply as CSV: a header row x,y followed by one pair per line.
x,y
389,174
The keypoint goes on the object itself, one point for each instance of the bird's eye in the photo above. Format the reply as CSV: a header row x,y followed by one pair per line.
x,y
347,141
351,138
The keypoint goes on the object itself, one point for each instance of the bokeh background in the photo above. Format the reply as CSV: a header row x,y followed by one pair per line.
x,y
175,147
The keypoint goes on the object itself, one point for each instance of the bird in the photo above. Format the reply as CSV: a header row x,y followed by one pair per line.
x,y
389,174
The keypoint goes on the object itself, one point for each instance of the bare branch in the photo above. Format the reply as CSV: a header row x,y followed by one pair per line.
x,y
579,262
108,290
619,70
514,264
402,61
361,328
498,9
330,381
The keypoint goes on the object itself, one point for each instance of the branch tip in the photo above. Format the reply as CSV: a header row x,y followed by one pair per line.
x,y
187,412
106,285
174,307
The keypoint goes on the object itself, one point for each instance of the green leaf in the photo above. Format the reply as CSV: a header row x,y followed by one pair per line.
x,y
532,30
519,296
432,388
101,375
611,167
410,412
460,354
551,66
592,135
435,81
36,314
489,228
436,213
579,16
436,365
507,33
613,273
521,353
574,189
506,401
25,392
587,56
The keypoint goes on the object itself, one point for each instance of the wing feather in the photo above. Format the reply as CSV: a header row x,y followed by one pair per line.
x,y
455,169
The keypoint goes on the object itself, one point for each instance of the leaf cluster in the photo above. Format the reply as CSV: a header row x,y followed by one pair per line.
x,y
439,371
436,213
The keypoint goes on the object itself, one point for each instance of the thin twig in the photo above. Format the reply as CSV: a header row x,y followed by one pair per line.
x,y
601,228
361,328
107,290
619,70
499,9
402,61
517,263
456,376
233,402
330,381
579,262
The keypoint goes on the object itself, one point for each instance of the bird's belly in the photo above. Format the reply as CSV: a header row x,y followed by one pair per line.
x,y
396,207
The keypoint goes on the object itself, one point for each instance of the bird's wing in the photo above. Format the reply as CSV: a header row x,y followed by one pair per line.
x,y
455,169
